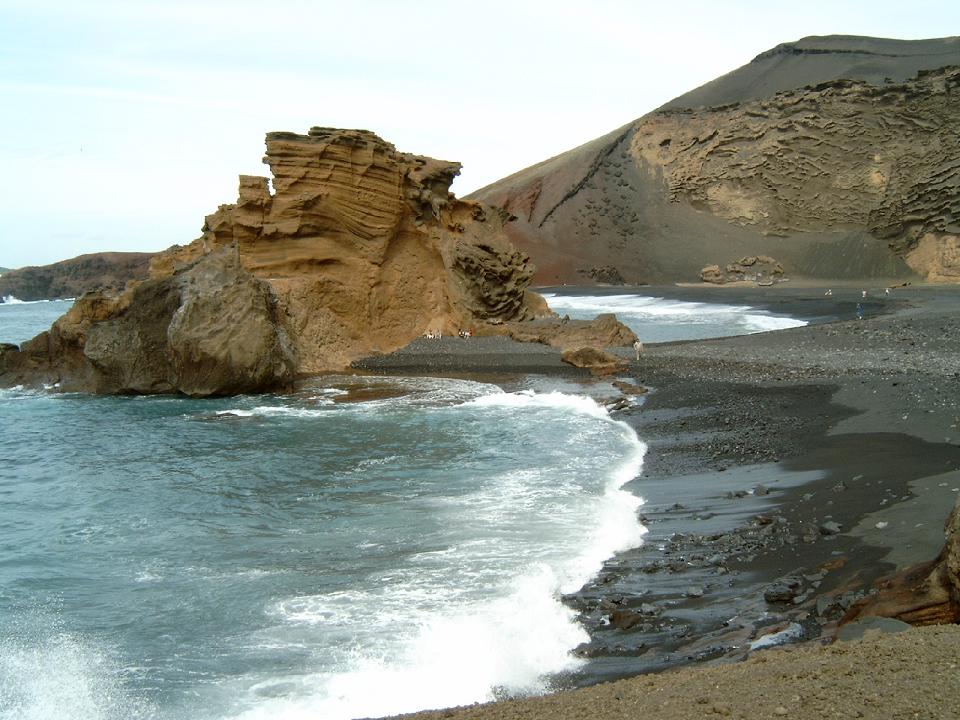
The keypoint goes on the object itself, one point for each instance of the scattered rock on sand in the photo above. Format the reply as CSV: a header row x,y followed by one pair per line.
x,y
783,590
625,619
630,388
830,528
598,362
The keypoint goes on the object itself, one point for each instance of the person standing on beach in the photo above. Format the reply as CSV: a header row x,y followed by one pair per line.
x,y
859,311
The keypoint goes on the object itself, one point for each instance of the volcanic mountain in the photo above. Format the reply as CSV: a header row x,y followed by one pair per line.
x,y
836,157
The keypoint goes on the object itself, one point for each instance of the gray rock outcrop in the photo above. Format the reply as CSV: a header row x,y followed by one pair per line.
x,y
211,328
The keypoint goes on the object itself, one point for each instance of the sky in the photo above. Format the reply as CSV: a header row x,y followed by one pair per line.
x,y
122,124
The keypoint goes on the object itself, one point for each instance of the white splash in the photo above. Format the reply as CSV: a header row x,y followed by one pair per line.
x,y
420,631
47,673
658,319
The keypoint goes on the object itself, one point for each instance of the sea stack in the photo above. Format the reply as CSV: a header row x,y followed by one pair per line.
x,y
351,248
835,155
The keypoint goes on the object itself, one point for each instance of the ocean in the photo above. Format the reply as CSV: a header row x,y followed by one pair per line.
x,y
364,546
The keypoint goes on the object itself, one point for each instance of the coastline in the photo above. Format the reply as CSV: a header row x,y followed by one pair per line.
x,y
845,422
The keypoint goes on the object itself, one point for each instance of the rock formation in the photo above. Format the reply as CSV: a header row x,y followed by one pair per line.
x,y
209,329
598,362
357,249
837,155
72,278
761,269
565,334
928,594
365,246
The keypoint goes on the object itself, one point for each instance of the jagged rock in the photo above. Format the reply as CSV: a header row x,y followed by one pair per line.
x,y
761,269
838,151
605,275
830,528
210,328
629,388
624,619
366,248
925,594
72,278
601,332
596,361
713,274
357,249
783,590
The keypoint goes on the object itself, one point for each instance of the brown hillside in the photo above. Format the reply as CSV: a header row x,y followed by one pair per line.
x,y
72,278
837,156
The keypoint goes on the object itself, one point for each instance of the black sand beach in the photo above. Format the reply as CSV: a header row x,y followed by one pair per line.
x,y
786,471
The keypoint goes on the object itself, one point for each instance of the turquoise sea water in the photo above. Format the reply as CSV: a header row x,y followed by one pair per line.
x,y
364,546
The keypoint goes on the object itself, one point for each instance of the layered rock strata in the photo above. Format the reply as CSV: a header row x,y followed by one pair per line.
x,y
352,248
836,155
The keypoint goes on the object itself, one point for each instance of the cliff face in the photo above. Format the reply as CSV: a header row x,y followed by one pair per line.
x,y
840,156
836,178
72,278
358,249
365,247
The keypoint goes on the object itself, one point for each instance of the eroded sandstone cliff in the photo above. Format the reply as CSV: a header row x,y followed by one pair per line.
x,y
837,156
352,248
842,155
365,247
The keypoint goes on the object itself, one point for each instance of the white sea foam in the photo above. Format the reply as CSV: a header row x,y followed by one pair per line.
x,y
530,399
333,391
235,413
288,411
11,300
46,673
490,603
459,656
664,319
614,525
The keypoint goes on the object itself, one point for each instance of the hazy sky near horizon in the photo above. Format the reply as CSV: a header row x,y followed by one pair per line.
x,y
124,123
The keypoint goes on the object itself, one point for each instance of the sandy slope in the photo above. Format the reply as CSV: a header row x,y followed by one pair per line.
x,y
915,674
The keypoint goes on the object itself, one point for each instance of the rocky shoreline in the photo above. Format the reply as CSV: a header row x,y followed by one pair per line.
x,y
786,473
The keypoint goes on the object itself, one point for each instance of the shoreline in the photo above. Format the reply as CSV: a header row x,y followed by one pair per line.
x,y
845,423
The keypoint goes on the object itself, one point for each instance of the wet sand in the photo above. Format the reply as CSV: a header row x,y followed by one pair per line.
x,y
786,472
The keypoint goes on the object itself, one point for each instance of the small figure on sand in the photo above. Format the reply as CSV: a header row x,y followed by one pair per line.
x,y
828,293
638,348
859,311
864,294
